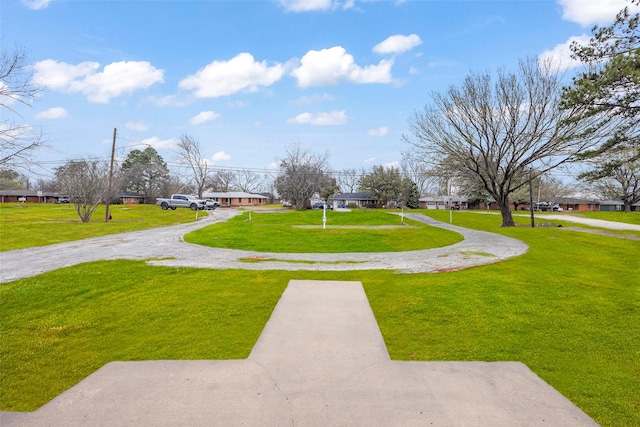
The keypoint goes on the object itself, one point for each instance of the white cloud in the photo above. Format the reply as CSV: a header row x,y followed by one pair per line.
x,y
160,144
306,5
137,126
369,160
333,118
36,4
379,132
220,156
330,66
588,12
221,78
114,80
560,56
52,113
203,117
397,44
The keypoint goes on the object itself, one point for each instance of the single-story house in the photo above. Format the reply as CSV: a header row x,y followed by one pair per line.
x,y
577,204
617,206
131,198
30,196
236,198
353,200
443,202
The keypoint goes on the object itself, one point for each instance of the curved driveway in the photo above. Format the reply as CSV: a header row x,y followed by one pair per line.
x,y
165,246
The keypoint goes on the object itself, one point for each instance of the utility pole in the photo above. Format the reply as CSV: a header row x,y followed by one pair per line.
x,y
113,153
533,224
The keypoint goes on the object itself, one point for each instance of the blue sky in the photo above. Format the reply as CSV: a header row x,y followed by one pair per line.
x,y
249,78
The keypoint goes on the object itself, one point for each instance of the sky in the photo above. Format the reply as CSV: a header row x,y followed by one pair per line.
x,y
250,79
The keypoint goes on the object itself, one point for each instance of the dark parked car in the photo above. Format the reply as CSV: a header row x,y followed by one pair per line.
x,y
320,205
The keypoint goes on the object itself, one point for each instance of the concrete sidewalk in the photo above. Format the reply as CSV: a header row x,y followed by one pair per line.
x,y
320,361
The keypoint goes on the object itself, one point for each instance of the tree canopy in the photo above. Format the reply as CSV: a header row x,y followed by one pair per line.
x,y
498,129
609,89
383,184
302,174
145,172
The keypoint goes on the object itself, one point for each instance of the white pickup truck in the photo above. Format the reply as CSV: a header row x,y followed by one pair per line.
x,y
181,201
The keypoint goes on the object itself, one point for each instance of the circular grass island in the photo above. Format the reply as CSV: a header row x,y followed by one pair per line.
x,y
303,232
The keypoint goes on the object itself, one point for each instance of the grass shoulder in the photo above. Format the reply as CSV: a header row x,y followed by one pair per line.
x,y
29,225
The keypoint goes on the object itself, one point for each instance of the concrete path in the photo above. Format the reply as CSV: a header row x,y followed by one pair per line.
x,y
320,361
165,246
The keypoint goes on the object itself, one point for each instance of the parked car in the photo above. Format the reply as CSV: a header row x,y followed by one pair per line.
x,y
211,204
181,201
320,205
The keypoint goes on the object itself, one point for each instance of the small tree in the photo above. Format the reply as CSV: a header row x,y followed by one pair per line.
x,y
86,182
189,155
409,194
302,174
383,184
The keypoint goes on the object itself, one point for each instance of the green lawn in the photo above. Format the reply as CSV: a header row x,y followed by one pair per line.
x,y
300,232
569,309
38,224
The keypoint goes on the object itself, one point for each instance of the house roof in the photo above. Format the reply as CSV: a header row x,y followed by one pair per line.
x,y
29,193
233,195
352,196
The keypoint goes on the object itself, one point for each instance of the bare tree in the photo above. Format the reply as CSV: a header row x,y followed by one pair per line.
x,y
420,172
86,182
249,181
622,180
499,130
189,155
348,179
222,180
302,174
17,141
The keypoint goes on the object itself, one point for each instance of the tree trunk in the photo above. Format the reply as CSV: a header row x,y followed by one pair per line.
x,y
507,218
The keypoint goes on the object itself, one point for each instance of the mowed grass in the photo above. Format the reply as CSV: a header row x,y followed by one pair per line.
x,y
569,309
300,232
44,224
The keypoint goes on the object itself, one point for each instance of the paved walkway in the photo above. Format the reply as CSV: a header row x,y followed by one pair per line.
x,y
165,246
320,361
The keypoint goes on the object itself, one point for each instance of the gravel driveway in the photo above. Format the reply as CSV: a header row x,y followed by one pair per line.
x,y
165,246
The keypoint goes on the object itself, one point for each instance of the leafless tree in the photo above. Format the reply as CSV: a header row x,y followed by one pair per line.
x,y
222,180
87,184
497,129
348,179
17,141
302,174
249,181
190,156
622,180
420,172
